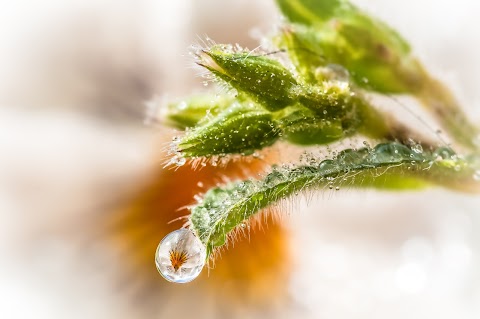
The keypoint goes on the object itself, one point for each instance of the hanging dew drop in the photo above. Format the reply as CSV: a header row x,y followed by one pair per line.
x,y
180,256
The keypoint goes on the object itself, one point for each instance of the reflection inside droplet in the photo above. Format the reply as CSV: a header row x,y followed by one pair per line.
x,y
180,256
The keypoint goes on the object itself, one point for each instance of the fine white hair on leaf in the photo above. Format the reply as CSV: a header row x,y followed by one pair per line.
x,y
236,204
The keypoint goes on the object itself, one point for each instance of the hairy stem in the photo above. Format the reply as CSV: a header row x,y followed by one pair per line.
x,y
438,99
387,166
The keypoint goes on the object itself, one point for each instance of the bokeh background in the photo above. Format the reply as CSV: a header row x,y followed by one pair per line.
x,y
83,198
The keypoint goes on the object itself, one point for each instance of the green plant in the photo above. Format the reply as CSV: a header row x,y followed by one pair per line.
x,y
337,54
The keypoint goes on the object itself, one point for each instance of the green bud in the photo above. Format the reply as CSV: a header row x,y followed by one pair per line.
x,y
329,99
239,130
303,49
196,110
311,12
304,127
307,54
265,80
329,112
377,56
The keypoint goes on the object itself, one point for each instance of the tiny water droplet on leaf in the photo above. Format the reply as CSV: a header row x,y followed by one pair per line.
x,y
180,161
417,148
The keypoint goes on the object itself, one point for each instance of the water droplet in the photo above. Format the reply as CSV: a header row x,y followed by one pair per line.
x,y
332,72
417,148
390,153
180,256
327,166
198,198
340,73
179,160
274,178
350,157
200,184
443,152
182,105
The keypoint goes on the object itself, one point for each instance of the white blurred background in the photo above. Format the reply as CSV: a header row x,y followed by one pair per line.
x,y
74,77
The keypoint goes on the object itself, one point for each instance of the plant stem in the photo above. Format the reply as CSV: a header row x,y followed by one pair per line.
x,y
438,99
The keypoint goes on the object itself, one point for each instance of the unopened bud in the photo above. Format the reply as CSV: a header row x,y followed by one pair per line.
x,y
265,80
235,131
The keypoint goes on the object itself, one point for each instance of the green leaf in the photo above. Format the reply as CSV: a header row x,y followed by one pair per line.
x,y
311,12
197,109
388,166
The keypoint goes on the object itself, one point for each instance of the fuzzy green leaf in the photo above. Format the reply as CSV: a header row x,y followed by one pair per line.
x,y
312,12
387,166
196,110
